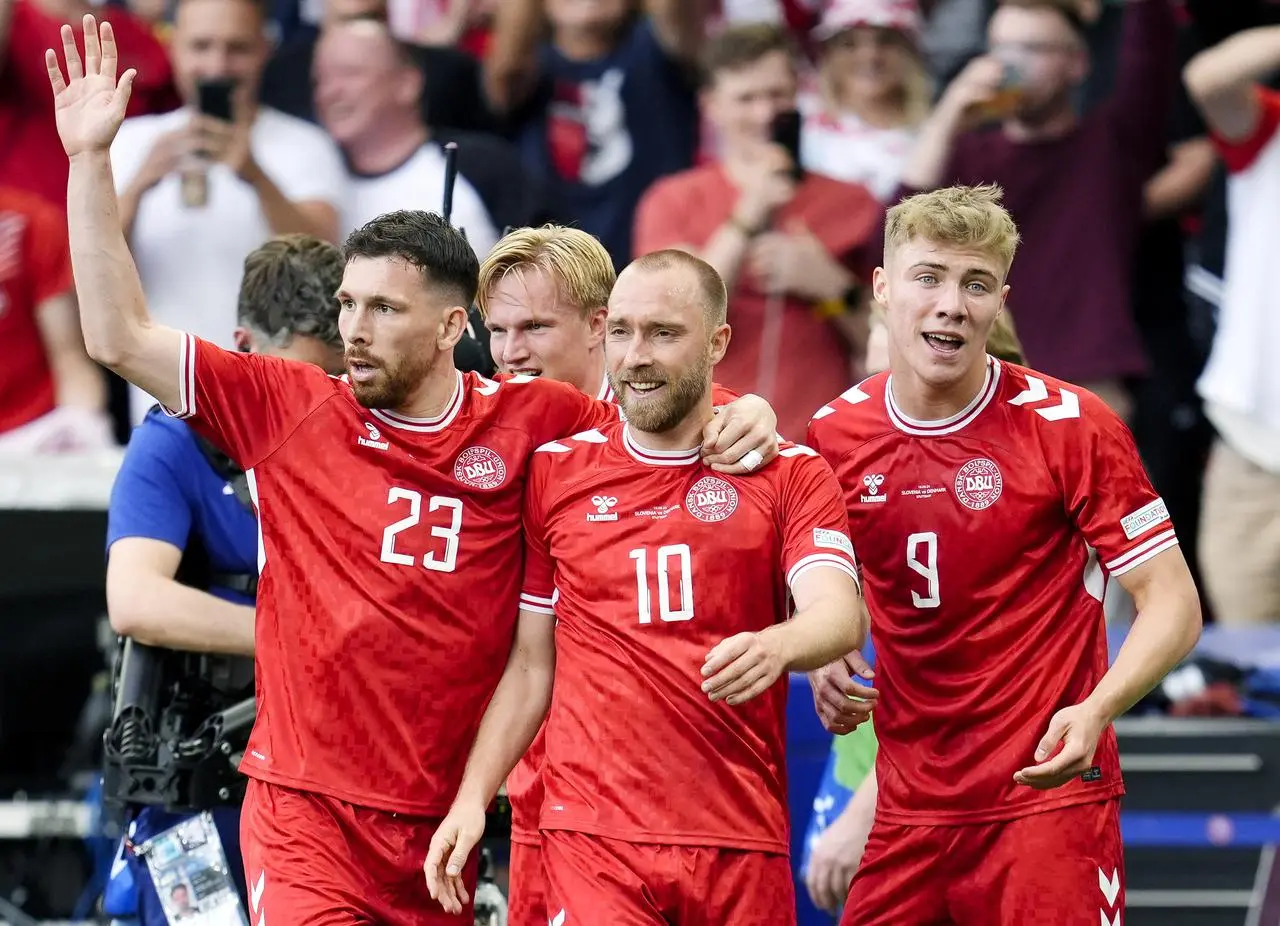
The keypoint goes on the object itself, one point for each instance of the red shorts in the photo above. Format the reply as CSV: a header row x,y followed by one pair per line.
x,y
1064,867
313,860
594,879
527,888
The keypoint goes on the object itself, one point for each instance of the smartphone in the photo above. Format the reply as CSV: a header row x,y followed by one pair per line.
x,y
214,99
786,132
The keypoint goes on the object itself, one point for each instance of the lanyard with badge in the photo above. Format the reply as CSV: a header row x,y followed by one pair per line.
x,y
192,878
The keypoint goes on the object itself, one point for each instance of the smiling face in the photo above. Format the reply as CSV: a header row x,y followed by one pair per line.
x,y
661,342
940,302
533,329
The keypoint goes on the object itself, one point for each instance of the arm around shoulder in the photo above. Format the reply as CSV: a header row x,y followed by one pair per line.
x,y
1223,80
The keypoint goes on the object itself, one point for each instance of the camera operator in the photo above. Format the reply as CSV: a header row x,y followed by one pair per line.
x,y
176,500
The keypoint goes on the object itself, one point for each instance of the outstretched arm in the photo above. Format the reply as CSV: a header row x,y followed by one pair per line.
x,y
89,106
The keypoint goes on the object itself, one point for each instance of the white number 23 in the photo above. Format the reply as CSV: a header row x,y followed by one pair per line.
x,y
437,561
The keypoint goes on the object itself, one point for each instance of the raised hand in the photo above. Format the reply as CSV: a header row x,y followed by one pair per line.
x,y
89,104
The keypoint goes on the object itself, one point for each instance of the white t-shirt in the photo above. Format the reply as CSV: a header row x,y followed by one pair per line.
x,y
849,149
418,183
191,260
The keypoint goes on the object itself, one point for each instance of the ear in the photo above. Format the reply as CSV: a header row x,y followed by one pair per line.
x,y
595,326
243,340
720,343
452,324
1004,299
880,286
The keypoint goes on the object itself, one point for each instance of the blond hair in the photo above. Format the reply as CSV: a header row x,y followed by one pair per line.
x,y
1002,339
967,216
578,264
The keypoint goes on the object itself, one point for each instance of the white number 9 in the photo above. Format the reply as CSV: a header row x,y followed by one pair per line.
x,y
926,567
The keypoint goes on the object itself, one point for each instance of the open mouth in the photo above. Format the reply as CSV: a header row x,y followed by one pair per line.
x,y
644,388
944,343
361,371
524,371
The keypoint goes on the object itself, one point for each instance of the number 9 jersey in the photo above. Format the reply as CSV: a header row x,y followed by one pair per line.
x,y
986,541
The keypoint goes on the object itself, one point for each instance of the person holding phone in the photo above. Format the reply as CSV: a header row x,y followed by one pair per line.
x,y
793,247
202,186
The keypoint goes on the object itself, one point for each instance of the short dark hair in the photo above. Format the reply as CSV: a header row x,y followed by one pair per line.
x,y
712,294
741,46
425,240
289,288
1069,10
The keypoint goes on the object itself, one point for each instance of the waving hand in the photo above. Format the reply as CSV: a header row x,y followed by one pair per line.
x,y
88,104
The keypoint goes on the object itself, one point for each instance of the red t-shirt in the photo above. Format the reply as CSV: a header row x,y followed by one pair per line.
x,y
524,784
810,362
651,560
390,558
986,541
35,264
31,157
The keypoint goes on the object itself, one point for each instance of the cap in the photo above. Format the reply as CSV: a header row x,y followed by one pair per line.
x,y
839,15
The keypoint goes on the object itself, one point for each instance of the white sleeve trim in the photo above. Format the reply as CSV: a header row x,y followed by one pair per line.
x,y
537,603
1144,551
186,380
817,560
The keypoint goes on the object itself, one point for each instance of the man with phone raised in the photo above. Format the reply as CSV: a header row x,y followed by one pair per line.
x,y
792,247
204,185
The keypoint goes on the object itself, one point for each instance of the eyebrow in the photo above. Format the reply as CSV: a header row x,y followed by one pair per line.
x,y
943,268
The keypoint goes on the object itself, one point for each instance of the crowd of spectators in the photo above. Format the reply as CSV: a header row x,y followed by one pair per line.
x,y
1137,143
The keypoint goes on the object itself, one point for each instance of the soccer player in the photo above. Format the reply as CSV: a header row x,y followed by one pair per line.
x,y
544,294
665,749
992,504
390,549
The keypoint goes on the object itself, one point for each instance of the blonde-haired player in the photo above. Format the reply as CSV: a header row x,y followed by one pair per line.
x,y
990,505
544,294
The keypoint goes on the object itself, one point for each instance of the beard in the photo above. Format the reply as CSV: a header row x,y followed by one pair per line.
x,y
392,383
671,406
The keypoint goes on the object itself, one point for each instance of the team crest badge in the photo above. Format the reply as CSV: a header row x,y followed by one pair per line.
x,y
979,484
711,499
480,468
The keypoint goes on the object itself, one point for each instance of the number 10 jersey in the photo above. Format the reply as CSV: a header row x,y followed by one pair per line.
x,y
652,559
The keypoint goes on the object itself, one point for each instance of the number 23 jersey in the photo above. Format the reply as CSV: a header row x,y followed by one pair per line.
x,y
653,559
986,540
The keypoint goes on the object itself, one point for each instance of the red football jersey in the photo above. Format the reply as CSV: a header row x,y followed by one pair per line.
x,y
35,265
986,540
524,784
653,559
390,556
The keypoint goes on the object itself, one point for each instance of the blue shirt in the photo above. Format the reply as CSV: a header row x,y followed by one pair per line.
x,y
167,490
599,132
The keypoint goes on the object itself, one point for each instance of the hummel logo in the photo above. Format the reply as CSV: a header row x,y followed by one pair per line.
x,y
557,920
603,503
374,439
873,482
255,894
1036,391
1110,887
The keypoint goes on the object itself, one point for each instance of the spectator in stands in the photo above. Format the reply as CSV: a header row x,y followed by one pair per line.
x,y
451,96
1240,527
1073,184
52,395
793,253
31,157
263,174
172,509
461,23
873,93
368,93
604,108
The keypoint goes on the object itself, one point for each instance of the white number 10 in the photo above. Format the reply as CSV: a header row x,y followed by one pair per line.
x,y
927,567
679,552
443,563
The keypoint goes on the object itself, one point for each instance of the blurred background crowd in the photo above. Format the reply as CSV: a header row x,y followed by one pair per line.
x,y
767,135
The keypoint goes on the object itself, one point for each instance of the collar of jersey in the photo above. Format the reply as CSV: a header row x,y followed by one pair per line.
x,y
944,425
425,425
658,457
605,393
